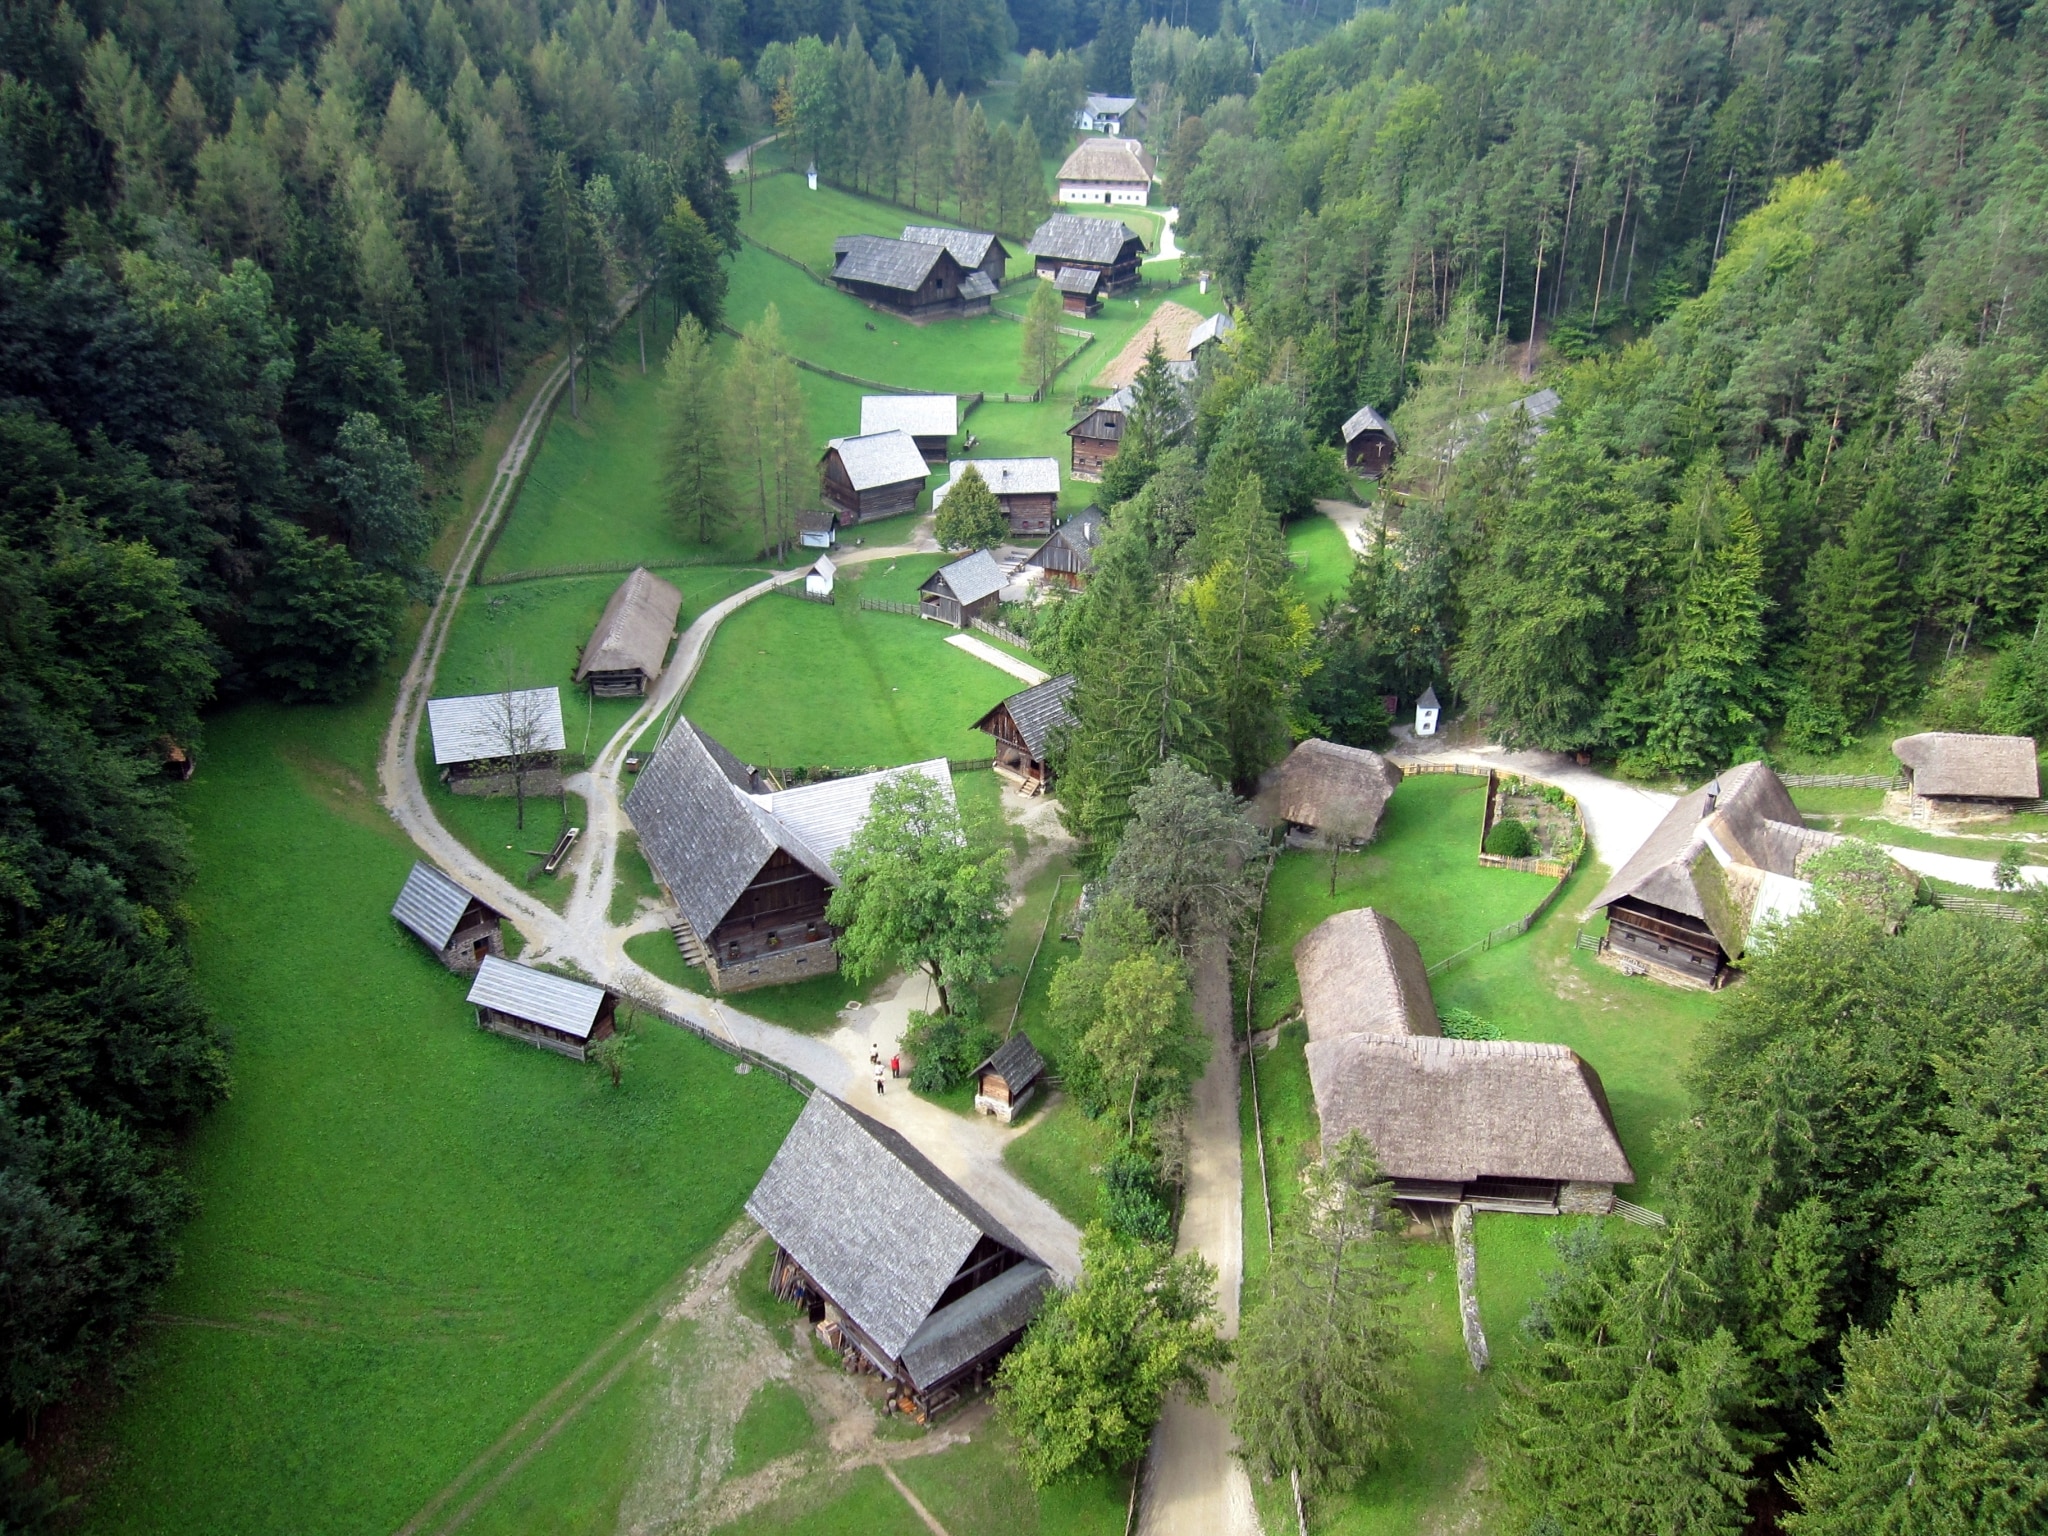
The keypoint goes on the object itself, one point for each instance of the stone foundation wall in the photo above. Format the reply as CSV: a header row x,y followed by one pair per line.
x,y
1577,1199
799,962
1925,811
541,784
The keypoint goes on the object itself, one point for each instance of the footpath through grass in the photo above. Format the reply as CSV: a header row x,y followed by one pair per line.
x,y
409,1230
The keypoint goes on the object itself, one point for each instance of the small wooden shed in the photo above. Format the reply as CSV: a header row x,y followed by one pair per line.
x,y
1369,443
1004,1083
1095,438
462,930
630,644
962,592
817,530
1080,290
1069,553
552,1012
876,475
1023,726
1028,490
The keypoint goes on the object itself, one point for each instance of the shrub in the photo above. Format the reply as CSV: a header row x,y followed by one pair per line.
x,y
1464,1024
1133,1203
1511,839
945,1047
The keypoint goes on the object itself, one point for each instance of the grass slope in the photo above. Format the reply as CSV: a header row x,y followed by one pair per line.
x,y
409,1230
1322,559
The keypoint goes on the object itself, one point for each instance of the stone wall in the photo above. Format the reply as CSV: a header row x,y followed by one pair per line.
x,y
799,962
541,784
1578,1199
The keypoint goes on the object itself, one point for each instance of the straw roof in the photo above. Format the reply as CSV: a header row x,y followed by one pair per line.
x,y
1361,974
635,629
1118,162
1460,1110
1324,784
1972,767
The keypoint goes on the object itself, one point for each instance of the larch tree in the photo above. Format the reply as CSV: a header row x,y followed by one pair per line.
x,y
694,422
772,456
1042,337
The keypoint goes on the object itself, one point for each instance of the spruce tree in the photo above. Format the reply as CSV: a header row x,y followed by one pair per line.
x,y
970,517
1854,657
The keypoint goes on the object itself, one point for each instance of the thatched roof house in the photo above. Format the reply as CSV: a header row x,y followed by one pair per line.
x,y
1362,974
905,1270
1115,171
1502,1124
1322,786
462,930
1726,856
1955,773
630,644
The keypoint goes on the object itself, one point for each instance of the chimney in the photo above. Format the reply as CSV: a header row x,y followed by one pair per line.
x,y
1713,794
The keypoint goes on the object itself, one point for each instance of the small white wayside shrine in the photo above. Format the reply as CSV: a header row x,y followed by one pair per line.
x,y
818,579
811,175
1426,711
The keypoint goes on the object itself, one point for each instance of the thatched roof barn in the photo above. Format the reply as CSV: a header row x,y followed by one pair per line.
x,y
1323,786
1362,974
1023,726
905,1271
1005,1080
553,1012
1503,1124
630,644
1723,858
462,930
1968,774
749,865
962,592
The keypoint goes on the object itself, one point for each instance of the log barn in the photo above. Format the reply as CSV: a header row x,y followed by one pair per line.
x,y
962,592
1361,973
898,1268
1502,1125
1723,858
877,474
1080,290
1028,490
475,734
1109,246
1068,554
1957,776
1004,1083
462,930
630,644
746,864
977,250
1323,788
1368,443
912,278
542,1009
1095,438
1023,726
931,419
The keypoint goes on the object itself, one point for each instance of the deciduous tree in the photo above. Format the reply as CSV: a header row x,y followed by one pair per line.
x,y
970,517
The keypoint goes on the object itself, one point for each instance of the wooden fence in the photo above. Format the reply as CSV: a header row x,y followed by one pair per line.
x,y
648,1003
819,773
882,605
797,590
1979,907
1003,633
1841,781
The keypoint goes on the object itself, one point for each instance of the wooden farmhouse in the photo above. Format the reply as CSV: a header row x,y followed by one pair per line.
x,y
977,250
931,419
462,930
476,734
1723,859
1326,790
912,278
1107,246
630,644
1114,171
552,1012
899,1269
1028,490
1108,114
1362,974
1503,1125
1368,443
746,864
1023,726
874,475
1068,554
1080,290
1215,328
1952,776
1004,1083
1095,438
962,592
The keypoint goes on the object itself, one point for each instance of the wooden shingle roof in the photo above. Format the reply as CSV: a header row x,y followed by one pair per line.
x,y
1075,237
919,415
1006,477
635,629
539,997
970,247
1971,766
1037,712
871,1220
1366,419
900,264
1016,1061
431,905
968,580
876,459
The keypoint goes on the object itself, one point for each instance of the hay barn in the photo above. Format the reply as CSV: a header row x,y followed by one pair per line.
x,y
1361,973
977,250
916,279
552,1012
630,644
476,736
1954,776
1076,240
1023,726
462,930
877,474
1324,789
932,420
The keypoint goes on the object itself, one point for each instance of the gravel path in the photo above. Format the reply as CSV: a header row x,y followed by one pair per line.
x,y
981,650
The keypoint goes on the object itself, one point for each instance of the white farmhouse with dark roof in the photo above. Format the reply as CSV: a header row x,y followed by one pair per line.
x,y
1101,113
899,1268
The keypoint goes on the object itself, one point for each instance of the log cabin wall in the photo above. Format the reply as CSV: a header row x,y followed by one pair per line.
x,y
1031,514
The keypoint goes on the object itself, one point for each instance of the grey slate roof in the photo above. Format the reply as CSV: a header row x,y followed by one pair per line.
x,y
969,246
1037,712
919,415
431,905
1428,699
899,264
1971,766
1362,974
1075,237
1366,419
875,459
870,1219
961,1330
474,726
1016,1061
635,629
537,996
1081,280
969,579
1458,1110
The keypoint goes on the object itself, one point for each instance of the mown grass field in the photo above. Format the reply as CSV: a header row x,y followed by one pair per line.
x,y
409,1230
1322,558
